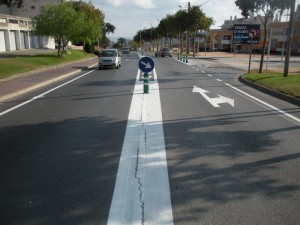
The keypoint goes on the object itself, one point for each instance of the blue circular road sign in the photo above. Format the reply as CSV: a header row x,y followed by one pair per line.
x,y
146,64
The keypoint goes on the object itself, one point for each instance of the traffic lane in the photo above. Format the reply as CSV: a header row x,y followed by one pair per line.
x,y
227,165
216,69
60,153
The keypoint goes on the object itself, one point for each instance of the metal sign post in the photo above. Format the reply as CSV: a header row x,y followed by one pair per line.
x,y
146,65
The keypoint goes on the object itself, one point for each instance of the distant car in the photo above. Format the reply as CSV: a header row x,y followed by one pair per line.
x,y
164,52
109,58
125,50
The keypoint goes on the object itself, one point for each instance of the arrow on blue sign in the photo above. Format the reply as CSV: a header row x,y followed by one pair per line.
x,y
146,64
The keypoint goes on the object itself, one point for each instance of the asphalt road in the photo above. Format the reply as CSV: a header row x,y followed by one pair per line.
x,y
230,165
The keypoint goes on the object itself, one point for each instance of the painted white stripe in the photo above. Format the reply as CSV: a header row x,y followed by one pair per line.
x,y
41,95
209,75
203,71
218,80
142,194
266,104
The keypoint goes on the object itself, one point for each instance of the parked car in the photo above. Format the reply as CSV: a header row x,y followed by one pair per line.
x,y
109,58
125,50
164,52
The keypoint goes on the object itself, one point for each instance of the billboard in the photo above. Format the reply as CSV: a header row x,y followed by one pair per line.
x,y
246,33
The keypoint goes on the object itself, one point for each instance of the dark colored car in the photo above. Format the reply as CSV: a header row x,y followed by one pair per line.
x,y
164,52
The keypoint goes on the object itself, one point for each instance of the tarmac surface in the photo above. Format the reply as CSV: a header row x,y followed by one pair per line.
x,y
26,82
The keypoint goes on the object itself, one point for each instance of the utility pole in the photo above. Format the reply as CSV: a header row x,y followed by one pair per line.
x,y
188,33
289,40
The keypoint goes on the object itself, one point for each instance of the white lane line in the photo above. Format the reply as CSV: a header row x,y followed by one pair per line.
x,y
209,75
41,95
203,71
266,104
218,80
142,194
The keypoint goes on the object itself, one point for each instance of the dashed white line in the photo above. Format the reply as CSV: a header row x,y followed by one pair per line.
x,y
219,80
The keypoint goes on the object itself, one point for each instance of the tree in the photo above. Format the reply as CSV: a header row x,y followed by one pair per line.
x,y
121,41
61,22
197,20
181,25
268,8
93,21
107,28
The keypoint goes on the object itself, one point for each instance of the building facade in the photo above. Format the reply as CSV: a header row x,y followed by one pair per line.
x,y
30,8
221,39
16,27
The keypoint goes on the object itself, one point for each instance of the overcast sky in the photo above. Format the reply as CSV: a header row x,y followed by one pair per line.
x,y
129,16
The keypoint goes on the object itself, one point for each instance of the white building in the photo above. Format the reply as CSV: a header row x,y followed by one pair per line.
x,y
16,26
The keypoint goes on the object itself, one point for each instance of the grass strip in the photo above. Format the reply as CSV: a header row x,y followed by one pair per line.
x,y
289,85
10,66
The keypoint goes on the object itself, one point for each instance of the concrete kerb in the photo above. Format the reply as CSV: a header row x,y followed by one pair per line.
x,y
269,91
44,83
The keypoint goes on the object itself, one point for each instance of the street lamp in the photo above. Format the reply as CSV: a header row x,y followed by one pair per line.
x,y
151,37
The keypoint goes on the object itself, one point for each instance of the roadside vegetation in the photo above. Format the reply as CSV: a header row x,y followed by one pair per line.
x,y
10,66
288,85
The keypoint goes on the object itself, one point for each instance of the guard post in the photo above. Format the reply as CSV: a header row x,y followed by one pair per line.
x,y
146,83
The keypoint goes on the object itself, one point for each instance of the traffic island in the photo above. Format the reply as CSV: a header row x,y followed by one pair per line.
x,y
272,83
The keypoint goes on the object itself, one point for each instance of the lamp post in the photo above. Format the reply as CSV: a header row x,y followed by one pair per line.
x,y
151,37
141,41
289,40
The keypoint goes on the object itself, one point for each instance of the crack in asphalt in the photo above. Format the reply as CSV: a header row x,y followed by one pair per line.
x,y
140,164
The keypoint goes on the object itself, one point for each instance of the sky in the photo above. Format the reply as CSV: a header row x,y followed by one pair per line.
x,y
129,16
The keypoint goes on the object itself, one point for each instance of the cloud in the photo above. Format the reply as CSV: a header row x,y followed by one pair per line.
x,y
115,3
146,4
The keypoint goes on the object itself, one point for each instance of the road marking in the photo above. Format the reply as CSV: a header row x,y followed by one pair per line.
x,y
142,194
214,101
209,75
266,104
219,80
42,95
203,71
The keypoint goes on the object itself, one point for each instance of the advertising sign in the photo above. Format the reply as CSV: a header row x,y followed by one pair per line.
x,y
246,33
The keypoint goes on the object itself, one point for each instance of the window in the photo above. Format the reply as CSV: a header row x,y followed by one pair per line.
x,y
32,7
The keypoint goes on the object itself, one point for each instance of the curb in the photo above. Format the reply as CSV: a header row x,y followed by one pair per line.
x,y
41,84
282,96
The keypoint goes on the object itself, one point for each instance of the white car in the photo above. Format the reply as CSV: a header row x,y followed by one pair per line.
x,y
109,58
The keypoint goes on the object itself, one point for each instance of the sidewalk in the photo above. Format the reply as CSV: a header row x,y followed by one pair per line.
x,y
241,61
26,82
